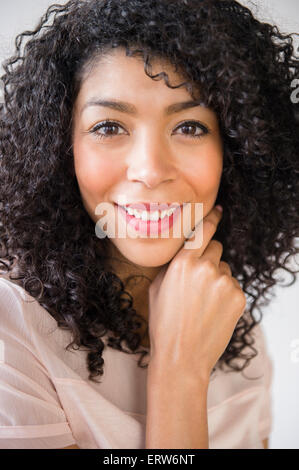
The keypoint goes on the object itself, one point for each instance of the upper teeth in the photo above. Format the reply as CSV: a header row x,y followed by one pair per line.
x,y
146,215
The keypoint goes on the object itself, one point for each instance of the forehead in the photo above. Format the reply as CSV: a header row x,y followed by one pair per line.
x,y
115,72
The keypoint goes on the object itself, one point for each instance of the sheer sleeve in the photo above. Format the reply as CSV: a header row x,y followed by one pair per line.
x,y
31,415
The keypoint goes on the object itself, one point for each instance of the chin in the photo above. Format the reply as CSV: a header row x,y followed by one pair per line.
x,y
151,255
150,262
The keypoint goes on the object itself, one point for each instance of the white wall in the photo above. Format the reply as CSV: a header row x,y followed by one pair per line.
x,y
281,319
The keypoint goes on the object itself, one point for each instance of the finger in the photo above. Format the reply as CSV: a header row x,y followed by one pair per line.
x,y
213,252
203,233
237,284
224,268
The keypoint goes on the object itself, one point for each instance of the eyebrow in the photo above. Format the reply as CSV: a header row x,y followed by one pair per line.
x,y
128,108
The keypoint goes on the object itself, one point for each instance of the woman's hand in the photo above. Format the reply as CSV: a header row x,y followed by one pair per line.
x,y
194,306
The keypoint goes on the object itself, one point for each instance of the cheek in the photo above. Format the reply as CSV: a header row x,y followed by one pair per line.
x,y
95,171
205,172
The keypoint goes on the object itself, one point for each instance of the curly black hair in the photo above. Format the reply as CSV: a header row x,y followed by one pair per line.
x,y
244,69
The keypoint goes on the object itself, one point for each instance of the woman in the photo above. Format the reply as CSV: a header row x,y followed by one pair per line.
x,y
93,119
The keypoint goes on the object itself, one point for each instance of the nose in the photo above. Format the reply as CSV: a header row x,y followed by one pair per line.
x,y
151,161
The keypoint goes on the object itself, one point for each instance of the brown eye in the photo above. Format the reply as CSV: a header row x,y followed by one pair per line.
x,y
106,130
193,129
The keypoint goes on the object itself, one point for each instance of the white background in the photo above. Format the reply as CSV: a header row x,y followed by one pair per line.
x,y
281,319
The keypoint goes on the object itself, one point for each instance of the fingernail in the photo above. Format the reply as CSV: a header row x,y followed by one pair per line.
x,y
220,208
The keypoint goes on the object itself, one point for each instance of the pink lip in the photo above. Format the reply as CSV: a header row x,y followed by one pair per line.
x,y
148,227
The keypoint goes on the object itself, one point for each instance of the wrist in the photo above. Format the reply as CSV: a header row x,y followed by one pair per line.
x,y
163,374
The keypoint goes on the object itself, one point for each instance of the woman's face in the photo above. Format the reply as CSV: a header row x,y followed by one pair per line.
x,y
145,155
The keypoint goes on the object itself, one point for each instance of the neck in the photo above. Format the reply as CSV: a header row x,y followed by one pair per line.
x,y
137,280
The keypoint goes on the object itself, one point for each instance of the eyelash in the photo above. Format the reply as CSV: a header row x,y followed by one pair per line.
x,y
109,123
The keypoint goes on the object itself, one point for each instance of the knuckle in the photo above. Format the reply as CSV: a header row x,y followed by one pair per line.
x,y
211,224
225,265
224,281
207,266
240,299
181,263
217,243
225,268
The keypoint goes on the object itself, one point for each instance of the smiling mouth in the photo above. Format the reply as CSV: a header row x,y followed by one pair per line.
x,y
151,206
149,223
156,212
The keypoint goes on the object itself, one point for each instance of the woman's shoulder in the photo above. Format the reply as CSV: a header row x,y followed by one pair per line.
x,y
19,311
10,289
12,299
29,330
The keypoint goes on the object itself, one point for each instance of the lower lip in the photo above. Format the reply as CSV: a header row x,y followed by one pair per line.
x,y
146,227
